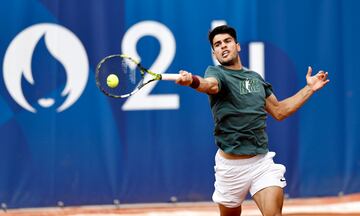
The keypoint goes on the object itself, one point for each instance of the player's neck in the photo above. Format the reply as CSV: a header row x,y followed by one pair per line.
x,y
235,66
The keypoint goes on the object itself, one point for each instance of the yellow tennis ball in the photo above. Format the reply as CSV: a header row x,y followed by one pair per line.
x,y
112,81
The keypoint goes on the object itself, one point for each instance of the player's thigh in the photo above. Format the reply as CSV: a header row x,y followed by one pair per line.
x,y
270,200
225,211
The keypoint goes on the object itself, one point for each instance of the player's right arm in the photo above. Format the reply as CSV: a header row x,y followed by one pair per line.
x,y
207,85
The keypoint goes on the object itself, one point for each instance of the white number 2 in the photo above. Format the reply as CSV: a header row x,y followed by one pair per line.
x,y
143,100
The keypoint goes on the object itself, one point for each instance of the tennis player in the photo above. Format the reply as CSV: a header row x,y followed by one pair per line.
x,y
240,100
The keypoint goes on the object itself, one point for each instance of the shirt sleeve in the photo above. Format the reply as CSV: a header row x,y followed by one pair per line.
x,y
213,71
268,89
267,86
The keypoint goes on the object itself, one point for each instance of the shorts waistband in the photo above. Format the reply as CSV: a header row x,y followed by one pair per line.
x,y
239,162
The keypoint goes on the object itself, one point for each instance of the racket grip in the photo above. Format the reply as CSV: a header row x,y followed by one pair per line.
x,y
171,77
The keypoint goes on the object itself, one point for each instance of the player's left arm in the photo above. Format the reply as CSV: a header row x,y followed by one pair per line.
x,y
282,109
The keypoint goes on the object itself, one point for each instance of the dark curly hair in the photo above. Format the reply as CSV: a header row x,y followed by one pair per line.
x,y
223,29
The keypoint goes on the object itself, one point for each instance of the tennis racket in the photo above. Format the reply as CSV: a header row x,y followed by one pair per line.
x,y
120,76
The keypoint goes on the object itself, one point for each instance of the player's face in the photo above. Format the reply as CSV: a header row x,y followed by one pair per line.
x,y
225,49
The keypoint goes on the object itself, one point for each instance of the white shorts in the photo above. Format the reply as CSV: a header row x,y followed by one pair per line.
x,y
235,178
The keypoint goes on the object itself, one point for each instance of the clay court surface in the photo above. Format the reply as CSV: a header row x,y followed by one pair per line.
x,y
344,205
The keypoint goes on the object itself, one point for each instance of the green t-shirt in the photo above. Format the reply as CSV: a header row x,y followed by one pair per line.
x,y
239,110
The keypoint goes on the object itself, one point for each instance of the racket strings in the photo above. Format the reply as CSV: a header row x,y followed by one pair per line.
x,y
130,73
126,70
129,69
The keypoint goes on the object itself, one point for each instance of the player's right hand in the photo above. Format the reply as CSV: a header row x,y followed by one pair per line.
x,y
185,78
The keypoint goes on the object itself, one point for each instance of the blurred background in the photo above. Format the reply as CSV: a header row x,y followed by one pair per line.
x,y
62,140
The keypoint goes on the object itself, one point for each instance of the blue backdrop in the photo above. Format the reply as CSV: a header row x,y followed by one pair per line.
x,y
61,139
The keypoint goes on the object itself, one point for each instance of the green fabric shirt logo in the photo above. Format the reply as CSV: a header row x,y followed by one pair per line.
x,y
249,86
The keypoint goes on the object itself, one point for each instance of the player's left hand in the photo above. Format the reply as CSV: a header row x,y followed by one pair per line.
x,y
317,81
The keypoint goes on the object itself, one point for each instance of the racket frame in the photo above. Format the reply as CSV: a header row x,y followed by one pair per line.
x,y
143,71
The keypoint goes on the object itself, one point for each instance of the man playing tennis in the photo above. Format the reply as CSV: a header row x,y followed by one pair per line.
x,y
240,100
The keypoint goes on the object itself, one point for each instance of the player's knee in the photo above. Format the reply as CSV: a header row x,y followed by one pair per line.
x,y
272,213
226,211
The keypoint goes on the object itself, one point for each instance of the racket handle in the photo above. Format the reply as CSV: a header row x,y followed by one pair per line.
x,y
171,77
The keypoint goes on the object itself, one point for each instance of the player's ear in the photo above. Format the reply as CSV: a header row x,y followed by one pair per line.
x,y
238,47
